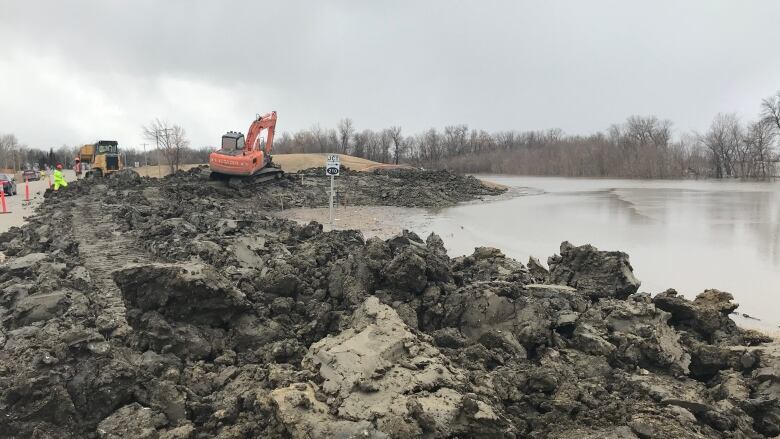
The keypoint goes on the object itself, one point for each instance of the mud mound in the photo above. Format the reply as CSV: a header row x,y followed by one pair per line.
x,y
175,308
310,188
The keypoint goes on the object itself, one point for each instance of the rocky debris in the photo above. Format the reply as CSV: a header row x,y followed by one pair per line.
x,y
126,177
212,320
378,370
132,420
185,292
538,273
765,392
631,332
304,416
22,264
490,264
707,316
39,307
597,274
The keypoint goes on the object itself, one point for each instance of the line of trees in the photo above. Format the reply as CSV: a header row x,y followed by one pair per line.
x,y
170,147
16,156
386,146
640,147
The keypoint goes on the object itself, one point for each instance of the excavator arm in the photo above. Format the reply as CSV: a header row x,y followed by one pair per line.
x,y
265,121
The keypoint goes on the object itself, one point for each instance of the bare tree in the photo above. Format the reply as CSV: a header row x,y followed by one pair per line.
x,y
506,141
770,111
360,143
398,142
648,130
346,130
170,139
8,145
454,140
430,146
480,141
758,140
320,137
723,139
333,139
385,140
13,154
372,148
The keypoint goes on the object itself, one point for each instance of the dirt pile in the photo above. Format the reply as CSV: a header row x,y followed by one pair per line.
x,y
380,187
177,309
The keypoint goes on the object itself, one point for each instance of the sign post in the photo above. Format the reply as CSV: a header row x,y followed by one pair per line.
x,y
332,168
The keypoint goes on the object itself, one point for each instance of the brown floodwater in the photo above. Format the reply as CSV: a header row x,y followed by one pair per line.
x,y
689,235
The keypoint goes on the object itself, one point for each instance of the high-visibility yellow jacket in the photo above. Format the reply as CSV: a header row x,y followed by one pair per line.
x,y
59,180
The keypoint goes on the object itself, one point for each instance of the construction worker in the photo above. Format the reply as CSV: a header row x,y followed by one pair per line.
x,y
59,179
77,168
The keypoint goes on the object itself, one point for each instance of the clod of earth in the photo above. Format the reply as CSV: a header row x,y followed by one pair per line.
x,y
176,308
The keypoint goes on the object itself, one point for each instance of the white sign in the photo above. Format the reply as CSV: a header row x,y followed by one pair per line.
x,y
332,165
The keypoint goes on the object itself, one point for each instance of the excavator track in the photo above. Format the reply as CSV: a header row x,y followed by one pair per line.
x,y
265,174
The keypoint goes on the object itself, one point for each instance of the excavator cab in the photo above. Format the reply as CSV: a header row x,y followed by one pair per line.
x,y
232,143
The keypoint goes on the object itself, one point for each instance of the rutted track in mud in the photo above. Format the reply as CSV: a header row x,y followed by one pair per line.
x,y
102,249
243,325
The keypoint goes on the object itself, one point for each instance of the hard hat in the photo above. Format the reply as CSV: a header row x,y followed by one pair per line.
x,y
59,165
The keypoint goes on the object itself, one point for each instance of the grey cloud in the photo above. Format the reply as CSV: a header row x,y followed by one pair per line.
x,y
495,65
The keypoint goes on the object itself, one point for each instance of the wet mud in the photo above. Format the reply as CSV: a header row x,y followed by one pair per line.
x,y
180,308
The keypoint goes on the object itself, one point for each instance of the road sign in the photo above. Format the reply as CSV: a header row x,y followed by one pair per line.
x,y
332,165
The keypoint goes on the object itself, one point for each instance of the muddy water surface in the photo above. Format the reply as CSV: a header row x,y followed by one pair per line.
x,y
689,235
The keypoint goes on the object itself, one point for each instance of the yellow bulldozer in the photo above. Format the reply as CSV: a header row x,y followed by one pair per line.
x,y
101,158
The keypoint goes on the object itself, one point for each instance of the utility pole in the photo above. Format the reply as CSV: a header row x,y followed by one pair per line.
x,y
167,143
174,159
146,159
157,140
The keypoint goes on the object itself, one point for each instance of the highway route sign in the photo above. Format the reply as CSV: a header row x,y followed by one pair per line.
x,y
332,165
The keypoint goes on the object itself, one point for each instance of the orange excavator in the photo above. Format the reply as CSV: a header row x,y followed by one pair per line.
x,y
250,156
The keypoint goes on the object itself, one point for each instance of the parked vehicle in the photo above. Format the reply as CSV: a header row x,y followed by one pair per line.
x,y
31,175
8,183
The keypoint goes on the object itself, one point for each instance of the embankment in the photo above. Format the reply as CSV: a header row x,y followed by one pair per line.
x,y
177,308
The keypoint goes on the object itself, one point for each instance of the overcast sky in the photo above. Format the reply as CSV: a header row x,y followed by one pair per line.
x,y
75,71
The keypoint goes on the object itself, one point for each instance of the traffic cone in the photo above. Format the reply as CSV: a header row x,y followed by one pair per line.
x,y
26,190
2,199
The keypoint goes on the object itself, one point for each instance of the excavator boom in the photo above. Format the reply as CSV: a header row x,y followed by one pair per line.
x,y
253,138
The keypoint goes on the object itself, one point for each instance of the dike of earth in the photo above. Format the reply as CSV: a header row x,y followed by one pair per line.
x,y
176,308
